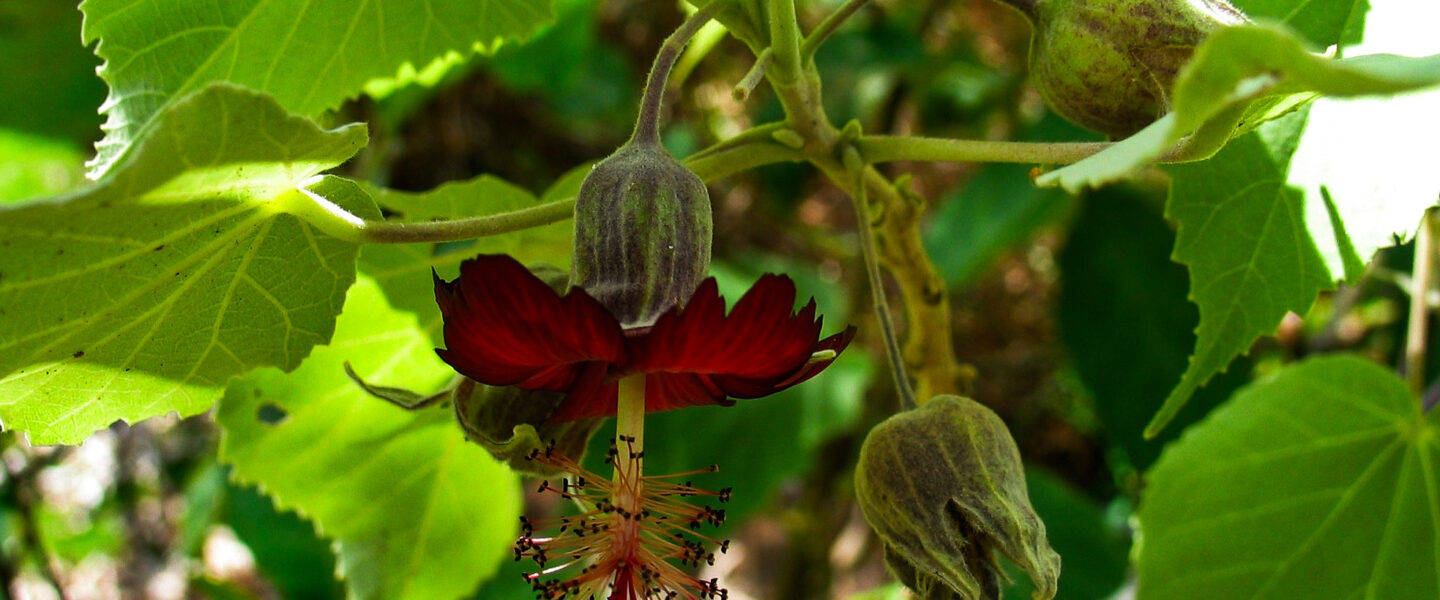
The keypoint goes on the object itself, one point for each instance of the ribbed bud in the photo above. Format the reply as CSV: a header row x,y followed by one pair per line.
x,y
642,233
1109,65
943,487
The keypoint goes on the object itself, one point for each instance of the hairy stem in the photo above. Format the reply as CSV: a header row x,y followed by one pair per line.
x,y
928,349
647,125
1421,280
387,232
752,78
785,40
865,227
885,148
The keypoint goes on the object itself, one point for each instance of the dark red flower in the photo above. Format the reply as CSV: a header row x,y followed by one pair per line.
x,y
504,326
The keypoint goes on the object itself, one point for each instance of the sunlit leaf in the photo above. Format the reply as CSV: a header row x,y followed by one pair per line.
x,y
416,511
309,55
33,166
1317,483
144,294
1243,235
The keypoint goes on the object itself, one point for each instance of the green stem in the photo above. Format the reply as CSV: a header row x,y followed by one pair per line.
x,y
753,148
1421,280
647,125
785,40
884,148
387,232
827,27
856,166
929,351
742,90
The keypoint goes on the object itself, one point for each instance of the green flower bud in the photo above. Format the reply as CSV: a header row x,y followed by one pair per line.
x,y
943,487
510,423
1109,65
642,233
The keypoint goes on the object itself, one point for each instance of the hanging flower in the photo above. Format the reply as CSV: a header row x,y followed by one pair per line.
x,y
504,326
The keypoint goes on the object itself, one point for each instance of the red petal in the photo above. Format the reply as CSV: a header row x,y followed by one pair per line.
x,y
592,395
504,326
698,355
668,391
742,387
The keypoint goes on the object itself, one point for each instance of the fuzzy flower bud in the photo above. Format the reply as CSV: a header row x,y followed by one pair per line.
x,y
943,487
642,233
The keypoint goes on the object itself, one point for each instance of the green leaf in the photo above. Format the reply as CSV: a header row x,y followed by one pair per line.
x,y
1321,21
286,549
416,511
1126,322
310,56
1317,483
1231,70
145,293
404,270
1242,233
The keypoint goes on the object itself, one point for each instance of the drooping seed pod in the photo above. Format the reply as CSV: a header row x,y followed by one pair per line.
x,y
1109,65
943,487
643,230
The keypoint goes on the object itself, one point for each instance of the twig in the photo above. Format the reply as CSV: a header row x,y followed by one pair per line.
x,y
856,166
22,494
827,27
1420,284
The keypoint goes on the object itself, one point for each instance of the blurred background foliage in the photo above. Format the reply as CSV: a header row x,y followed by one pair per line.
x,y
1067,306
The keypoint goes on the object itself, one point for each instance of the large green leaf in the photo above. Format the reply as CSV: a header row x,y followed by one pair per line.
x,y
1231,70
404,270
145,293
416,511
1319,483
1242,233
1117,277
309,55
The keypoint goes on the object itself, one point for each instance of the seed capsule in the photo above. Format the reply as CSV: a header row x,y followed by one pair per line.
x,y
943,487
1109,65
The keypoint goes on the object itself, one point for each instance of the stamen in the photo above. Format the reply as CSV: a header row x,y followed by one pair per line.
x,y
626,544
